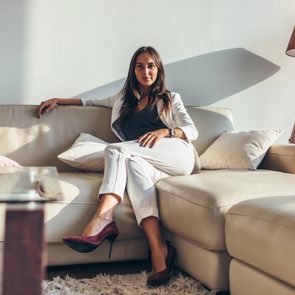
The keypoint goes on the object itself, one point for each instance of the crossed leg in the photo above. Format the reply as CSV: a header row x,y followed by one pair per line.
x,y
126,169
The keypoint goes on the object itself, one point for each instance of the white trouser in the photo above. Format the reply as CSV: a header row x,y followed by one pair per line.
x,y
128,165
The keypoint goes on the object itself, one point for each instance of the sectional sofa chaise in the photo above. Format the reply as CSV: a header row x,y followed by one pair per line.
x,y
233,228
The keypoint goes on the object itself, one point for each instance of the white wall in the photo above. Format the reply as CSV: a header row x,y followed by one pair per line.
x,y
62,48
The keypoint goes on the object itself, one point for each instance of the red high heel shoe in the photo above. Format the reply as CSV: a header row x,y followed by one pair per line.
x,y
163,277
87,244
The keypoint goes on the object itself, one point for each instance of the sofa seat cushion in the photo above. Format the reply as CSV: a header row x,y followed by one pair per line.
x,y
70,216
261,233
247,280
193,206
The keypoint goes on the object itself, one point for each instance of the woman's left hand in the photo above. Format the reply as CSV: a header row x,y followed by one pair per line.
x,y
149,139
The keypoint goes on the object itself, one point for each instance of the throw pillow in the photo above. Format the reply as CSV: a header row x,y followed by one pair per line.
x,y
239,149
6,162
86,153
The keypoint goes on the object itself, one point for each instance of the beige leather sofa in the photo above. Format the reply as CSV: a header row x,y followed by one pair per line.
x,y
232,228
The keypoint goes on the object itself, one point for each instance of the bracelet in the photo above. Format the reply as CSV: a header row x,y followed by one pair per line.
x,y
172,133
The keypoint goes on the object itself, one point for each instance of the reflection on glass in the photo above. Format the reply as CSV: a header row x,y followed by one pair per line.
x,y
29,184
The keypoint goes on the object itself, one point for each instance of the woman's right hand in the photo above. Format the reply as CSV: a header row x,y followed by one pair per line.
x,y
46,106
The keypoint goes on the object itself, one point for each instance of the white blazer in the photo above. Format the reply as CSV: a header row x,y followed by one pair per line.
x,y
178,118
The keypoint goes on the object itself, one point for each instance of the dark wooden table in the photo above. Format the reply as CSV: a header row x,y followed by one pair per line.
x,y
25,191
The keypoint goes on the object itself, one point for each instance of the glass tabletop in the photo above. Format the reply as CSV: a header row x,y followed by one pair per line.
x,y
29,184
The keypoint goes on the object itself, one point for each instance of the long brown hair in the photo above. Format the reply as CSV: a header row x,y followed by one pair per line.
x,y
158,88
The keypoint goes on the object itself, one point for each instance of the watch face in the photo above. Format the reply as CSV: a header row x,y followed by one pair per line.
x,y
173,133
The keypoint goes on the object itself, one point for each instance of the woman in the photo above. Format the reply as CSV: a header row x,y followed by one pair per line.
x,y
155,131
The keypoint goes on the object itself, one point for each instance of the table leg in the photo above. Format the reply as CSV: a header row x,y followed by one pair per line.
x,y
23,271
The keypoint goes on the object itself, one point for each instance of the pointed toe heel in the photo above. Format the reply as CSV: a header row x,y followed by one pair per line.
x,y
87,244
79,244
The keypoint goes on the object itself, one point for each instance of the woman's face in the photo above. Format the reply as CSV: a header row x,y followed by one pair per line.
x,y
146,71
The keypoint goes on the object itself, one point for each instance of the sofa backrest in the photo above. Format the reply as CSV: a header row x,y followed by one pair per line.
x,y
37,142
210,122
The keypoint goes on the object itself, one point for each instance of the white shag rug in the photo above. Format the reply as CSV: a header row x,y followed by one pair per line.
x,y
131,284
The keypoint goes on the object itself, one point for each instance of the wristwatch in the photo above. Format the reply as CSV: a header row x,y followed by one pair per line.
x,y
172,132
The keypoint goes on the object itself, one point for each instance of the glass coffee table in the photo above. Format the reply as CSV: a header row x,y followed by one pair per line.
x,y
24,191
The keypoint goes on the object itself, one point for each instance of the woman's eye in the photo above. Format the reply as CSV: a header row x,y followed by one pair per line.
x,y
149,66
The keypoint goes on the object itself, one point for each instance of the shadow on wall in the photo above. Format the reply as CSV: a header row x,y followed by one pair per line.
x,y
206,79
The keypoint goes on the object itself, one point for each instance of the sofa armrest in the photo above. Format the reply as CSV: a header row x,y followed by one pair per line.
x,y
280,158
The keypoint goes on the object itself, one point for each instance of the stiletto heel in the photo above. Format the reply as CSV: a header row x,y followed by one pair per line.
x,y
88,244
111,240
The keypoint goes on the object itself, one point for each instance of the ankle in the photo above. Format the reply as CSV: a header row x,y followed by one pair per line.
x,y
158,245
109,218
101,221
96,224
